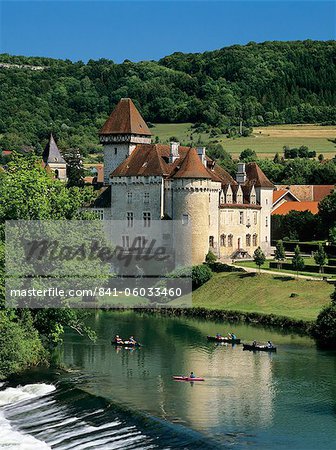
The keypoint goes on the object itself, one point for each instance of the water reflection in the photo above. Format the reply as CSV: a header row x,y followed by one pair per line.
x,y
253,397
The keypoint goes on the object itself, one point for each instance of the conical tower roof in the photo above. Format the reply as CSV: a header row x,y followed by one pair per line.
x,y
51,152
125,119
192,167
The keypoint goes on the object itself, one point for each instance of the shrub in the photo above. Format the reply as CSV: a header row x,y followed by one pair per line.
x,y
200,275
210,257
219,267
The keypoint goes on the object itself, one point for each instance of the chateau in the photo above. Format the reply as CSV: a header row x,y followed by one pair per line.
x,y
145,182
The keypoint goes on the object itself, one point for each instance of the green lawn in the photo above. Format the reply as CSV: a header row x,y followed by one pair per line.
x,y
266,266
266,141
265,293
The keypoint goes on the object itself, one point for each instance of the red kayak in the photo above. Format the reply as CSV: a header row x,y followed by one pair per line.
x,y
188,379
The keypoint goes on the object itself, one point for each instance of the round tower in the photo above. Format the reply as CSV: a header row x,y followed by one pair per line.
x,y
194,197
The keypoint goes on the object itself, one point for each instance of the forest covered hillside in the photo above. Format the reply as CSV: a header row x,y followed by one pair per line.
x,y
267,83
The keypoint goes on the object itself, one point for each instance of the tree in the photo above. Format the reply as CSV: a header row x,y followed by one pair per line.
x,y
277,159
325,327
248,155
279,254
332,236
23,188
259,257
327,212
297,261
320,257
75,169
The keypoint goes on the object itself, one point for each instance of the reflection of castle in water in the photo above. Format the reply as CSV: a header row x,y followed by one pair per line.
x,y
238,387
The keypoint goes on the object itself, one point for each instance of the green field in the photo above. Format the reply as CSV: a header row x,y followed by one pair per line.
x,y
265,294
266,141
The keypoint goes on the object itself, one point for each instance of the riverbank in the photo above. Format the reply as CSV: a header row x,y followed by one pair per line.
x,y
266,299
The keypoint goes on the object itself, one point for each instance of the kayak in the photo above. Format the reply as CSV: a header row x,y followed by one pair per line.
x,y
126,344
259,348
188,379
223,339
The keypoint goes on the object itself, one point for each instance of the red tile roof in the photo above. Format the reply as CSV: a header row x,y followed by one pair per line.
x,y
192,167
255,176
278,194
153,160
320,192
125,119
286,207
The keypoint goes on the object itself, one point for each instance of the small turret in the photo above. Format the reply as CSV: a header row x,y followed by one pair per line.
x,y
53,159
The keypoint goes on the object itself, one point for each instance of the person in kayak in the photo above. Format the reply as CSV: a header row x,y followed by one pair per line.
x,y
118,339
269,344
192,375
233,336
132,340
254,343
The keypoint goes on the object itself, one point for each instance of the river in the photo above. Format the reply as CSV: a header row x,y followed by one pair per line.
x,y
111,398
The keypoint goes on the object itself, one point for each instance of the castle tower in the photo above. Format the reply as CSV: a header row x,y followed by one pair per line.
x,y
123,130
195,198
53,159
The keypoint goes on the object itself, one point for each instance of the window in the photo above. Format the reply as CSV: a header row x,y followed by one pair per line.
x,y
241,217
146,197
129,216
115,150
266,221
266,201
255,218
223,240
209,220
211,241
147,219
139,242
230,240
209,198
129,197
185,219
125,241
255,240
99,213
248,240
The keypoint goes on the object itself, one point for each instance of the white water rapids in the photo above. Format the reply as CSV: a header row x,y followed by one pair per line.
x,y
9,437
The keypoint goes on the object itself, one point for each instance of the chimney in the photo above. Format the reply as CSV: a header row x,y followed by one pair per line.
x,y
201,154
241,174
174,151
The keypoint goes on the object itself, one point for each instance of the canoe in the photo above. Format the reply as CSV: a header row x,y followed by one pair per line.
x,y
126,344
188,379
259,348
223,339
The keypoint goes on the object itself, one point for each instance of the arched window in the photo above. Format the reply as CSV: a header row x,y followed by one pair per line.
x,y
211,241
56,173
223,240
230,240
248,240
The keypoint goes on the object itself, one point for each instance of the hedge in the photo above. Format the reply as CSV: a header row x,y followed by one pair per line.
x,y
312,269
